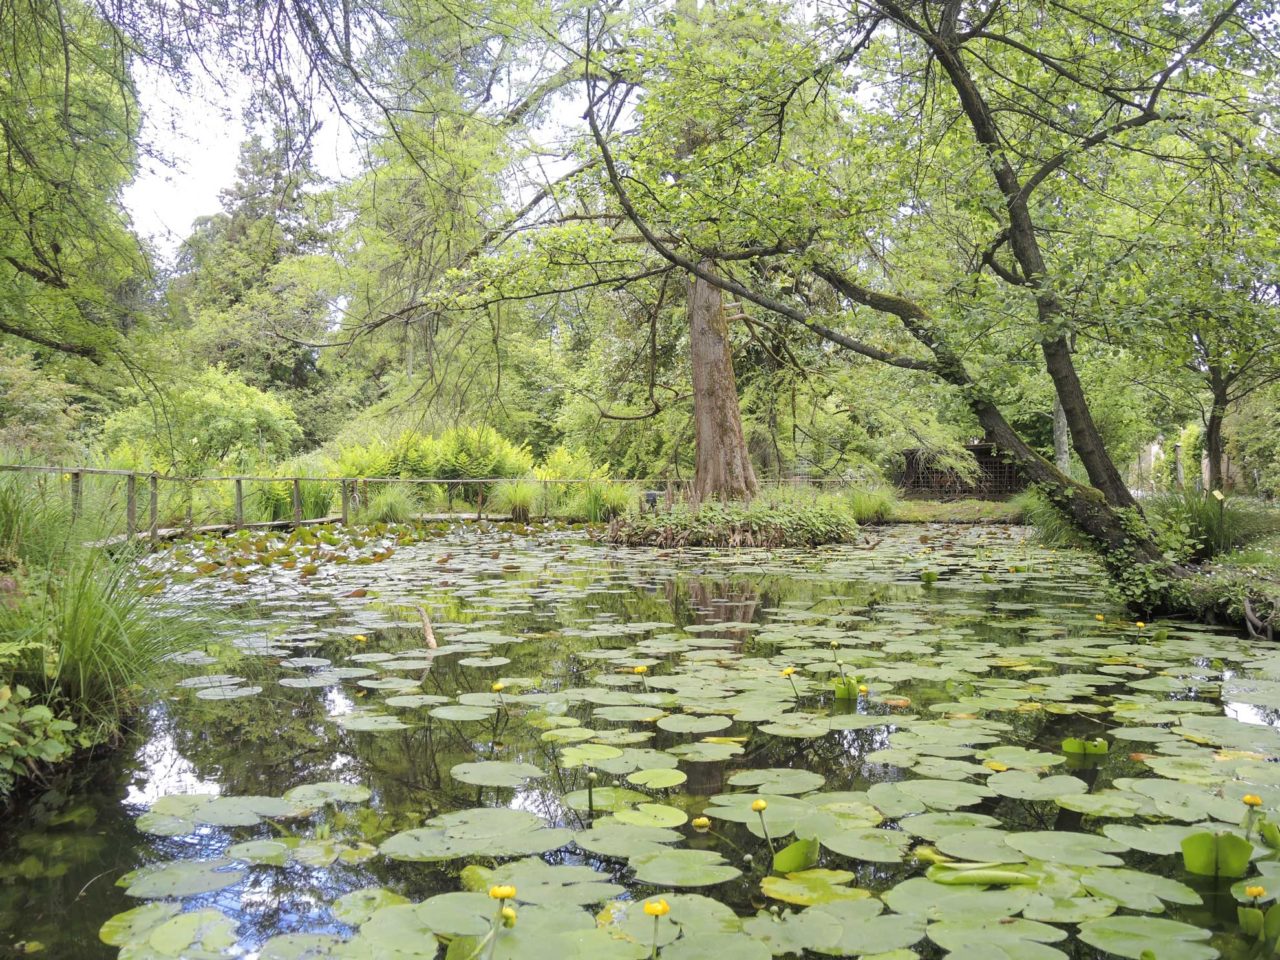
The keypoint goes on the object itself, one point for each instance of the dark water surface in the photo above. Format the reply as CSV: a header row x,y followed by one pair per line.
x,y
967,640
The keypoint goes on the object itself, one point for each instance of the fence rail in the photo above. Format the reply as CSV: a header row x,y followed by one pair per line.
x,y
352,491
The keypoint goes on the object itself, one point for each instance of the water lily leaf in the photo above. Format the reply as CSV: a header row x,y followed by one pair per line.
x,y
706,752
271,852
1062,846
495,773
608,799
622,841
227,693
1136,890
1022,785
683,868
1018,938
134,925
702,946
1105,803
652,815
592,755
180,878
793,933
301,946
921,897
197,934
932,826
1210,854
809,887
356,907
539,882
778,780
318,794
462,713
1133,936
691,723
1048,909
796,856
1020,758
371,722
658,779
982,844
865,930
941,794
878,846
483,831
1161,839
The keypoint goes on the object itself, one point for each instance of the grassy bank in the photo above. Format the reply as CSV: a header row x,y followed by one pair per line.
x,y
78,642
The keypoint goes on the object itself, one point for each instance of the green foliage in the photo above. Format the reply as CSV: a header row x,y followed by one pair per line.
x,y
30,735
1194,526
758,524
216,421
75,628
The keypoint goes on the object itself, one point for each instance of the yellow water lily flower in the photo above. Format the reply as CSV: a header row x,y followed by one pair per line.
x,y
701,824
497,686
760,805
1255,892
657,908
788,671
503,891
1251,800
360,638
508,915
640,669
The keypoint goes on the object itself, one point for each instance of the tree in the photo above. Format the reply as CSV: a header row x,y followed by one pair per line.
x,y
993,186
68,118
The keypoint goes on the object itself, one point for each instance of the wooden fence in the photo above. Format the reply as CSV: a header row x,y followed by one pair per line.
x,y
351,492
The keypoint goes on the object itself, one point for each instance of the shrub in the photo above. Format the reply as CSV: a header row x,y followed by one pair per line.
x,y
516,497
759,524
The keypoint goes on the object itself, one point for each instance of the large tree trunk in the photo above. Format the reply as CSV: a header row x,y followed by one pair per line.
x,y
1218,390
1061,438
723,461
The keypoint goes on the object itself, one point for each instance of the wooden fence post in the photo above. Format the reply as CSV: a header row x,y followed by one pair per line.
x,y
77,493
297,500
154,525
346,501
239,503
131,506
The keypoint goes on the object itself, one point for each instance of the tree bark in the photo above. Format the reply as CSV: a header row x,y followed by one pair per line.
x,y
1061,438
1213,429
724,468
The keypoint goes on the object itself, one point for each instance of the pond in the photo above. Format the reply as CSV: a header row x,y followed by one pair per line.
x,y
939,741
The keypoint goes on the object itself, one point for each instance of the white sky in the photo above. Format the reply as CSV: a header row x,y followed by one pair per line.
x,y
198,135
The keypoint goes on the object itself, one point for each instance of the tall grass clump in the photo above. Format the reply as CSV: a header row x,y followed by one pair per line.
x,y
516,497
598,501
79,641
1051,525
872,504
391,504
